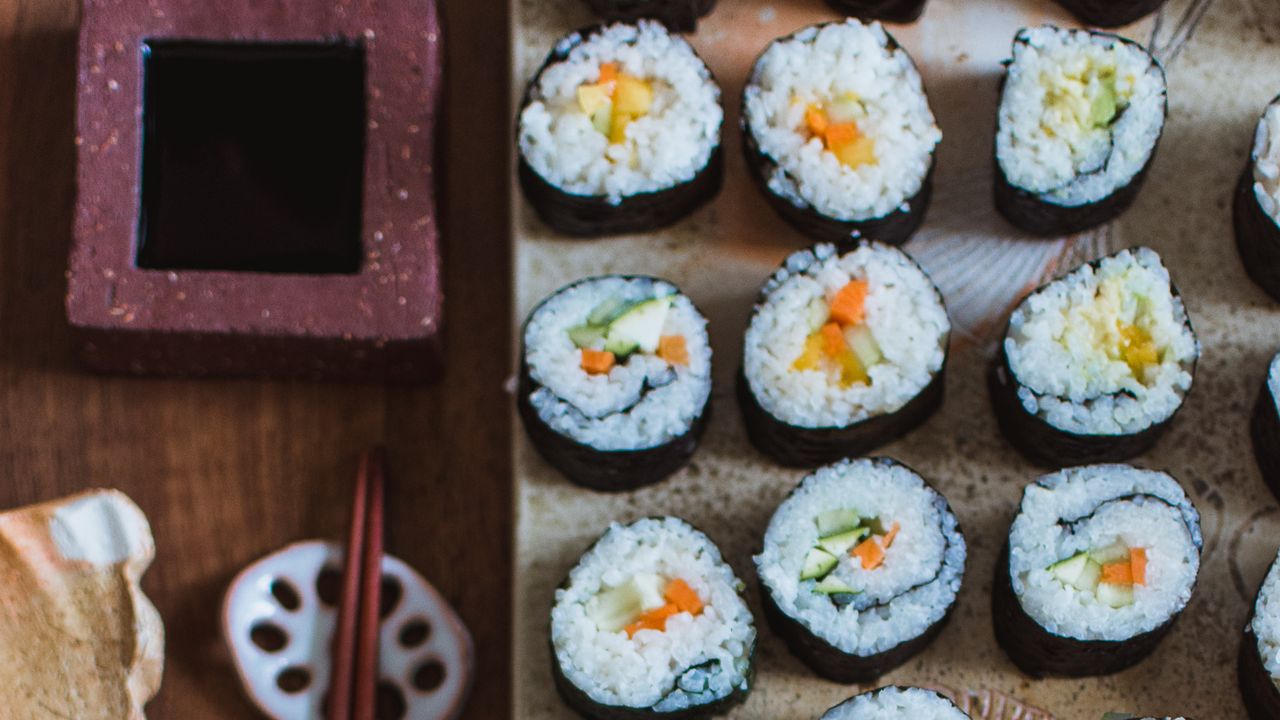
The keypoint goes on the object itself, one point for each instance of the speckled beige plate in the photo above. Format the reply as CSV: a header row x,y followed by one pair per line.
x,y
1220,76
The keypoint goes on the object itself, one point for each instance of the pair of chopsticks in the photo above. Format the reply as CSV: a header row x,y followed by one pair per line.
x,y
353,684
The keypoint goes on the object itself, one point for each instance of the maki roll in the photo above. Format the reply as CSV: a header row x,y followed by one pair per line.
x,y
1257,206
845,352
1095,364
1080,116
615,376
896,703
838,133
861,568
1265,427
679,15
1099,563
651,623
895,11
619,132
1110,13
1259,665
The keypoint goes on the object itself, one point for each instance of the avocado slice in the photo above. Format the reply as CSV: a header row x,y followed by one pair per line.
x,y
834,522
639,326
817,564
840,543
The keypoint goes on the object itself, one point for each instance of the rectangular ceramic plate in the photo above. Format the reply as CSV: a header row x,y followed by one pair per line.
x,y
1221,76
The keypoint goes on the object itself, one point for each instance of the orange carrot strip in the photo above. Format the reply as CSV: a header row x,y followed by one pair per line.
x,y
1118,573
608,72
673,349
833,340
816,120
841,134
870,552
893,533
1138,565
597,362
655,619
683,597
848,307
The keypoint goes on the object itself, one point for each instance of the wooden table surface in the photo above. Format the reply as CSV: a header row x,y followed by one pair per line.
x,y
228,470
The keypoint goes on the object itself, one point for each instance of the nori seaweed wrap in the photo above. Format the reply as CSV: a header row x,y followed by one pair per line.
x,y
1099,563
1086,373
1259,661
615,377
1072,152
612,142
1257,205
638,597
1110,13
679,15
860,569
1264,427
844,352
840,154
894,11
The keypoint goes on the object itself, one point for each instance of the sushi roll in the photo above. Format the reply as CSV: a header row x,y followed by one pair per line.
x,y
860,568
1080,116
1110,13
1099,563
895,11
1095,364
615,376
845,352
1257,205
1259,665
896,703
1265,427
838,133
619,132
679,15
651,623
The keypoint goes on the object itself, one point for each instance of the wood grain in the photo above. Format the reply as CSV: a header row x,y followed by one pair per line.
x,y
230,470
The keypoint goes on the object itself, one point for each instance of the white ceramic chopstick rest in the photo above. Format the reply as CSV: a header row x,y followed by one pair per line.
x,y
279,616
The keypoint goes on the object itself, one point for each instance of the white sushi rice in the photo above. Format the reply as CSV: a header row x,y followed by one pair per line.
x,y
1273,381
1266,162
1043,149
654,669
1063,339
899,600
641,403
896,703
668,146
903,311
827,61
1098,502
1266,622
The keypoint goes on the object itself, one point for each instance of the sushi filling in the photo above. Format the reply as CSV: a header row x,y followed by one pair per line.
x,y
897,703
652,617
619,363
1080,114
841,338
1105,350
864,555
1266,163
1105,552
842,112
1266,623
631,110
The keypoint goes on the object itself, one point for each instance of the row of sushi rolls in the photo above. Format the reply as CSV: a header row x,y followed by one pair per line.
x,y
846,350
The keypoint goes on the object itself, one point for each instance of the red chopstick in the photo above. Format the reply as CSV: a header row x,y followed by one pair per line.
x,y
354,679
